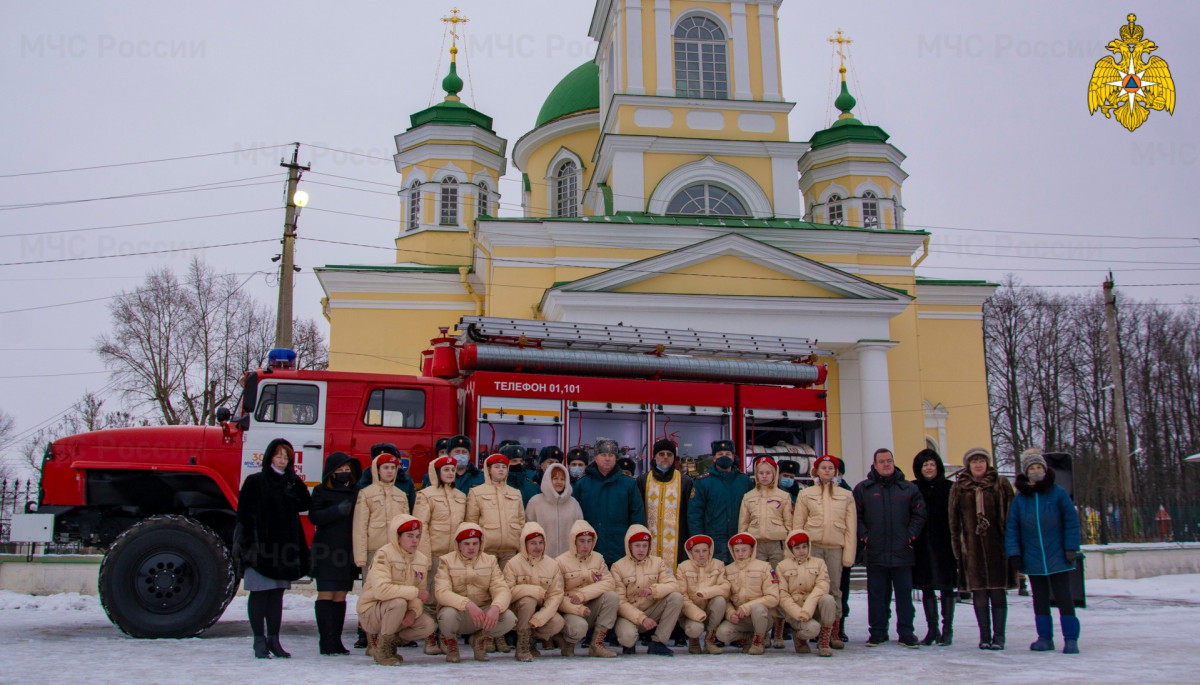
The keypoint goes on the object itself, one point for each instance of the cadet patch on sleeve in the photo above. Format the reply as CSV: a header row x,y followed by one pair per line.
x,y
418,575
774,578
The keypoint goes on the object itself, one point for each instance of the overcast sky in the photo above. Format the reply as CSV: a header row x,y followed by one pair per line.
x,y
1007,170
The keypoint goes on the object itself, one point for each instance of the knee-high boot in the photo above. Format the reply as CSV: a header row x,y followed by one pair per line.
x,y
983,616
949,599
999,620
929,603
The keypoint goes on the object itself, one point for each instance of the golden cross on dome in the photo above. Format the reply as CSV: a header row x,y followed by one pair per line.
x,y
454,20
840,40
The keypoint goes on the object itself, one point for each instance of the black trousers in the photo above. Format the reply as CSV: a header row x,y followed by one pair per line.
x,y
1060,584
882,581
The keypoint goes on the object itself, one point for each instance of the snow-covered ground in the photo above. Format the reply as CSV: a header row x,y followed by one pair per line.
x,y
1133,631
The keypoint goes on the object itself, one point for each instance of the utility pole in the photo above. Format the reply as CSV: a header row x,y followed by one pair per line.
x,y
1124,493
283,316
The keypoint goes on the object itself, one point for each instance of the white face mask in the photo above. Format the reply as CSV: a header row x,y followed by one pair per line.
x,y
461,459
1037,476
576,471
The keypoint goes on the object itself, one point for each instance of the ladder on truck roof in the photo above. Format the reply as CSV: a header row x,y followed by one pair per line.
x,y
616,338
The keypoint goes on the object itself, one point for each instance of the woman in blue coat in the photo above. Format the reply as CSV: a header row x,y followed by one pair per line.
x,y
1042,542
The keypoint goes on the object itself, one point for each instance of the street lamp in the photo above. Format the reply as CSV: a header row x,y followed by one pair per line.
x,y
300,199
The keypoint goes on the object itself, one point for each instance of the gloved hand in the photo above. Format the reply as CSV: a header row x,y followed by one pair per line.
x,y
1071,555
1014,563
345,508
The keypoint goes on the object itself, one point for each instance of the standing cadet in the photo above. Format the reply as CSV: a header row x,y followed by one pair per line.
x,y
392,601
472,596
705,591
591,599
767,515
441,509
753,594
498,509
716,500
649,594
826,511
537,592
804,597
666,491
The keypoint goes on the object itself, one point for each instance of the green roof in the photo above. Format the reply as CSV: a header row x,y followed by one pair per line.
x,y
451,111
699,220
847,129
578,91
395,267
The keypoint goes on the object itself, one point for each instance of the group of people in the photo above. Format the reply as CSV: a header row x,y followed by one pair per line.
x,y
567,555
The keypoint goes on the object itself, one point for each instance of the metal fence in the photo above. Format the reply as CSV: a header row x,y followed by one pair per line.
x,y
14,494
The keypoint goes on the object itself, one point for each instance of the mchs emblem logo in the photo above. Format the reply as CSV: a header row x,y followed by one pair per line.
x,y
1127,85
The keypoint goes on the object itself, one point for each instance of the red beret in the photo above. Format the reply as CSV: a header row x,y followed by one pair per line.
x,y
467,534
767,459
743,539
697,540
534,534
496,459
798,539
640,536
409,525
823,458
586,533
444,461
387,459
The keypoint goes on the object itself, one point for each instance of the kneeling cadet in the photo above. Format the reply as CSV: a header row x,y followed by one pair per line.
x,y
705,591
537,592
804,596
392,603
591,598
753,593
649,595
467,581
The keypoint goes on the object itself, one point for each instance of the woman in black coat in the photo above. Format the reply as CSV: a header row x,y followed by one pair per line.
x,y
936,569
269,542
332,512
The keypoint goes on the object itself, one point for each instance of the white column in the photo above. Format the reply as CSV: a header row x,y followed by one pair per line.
x,y
663,52
876,390
850,410
785,186
628,178
770,53
633,47
741,52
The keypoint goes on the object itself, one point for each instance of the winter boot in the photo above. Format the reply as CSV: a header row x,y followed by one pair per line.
x,y
500,645
929,603
948,599
801,644
694,645
659,649
260,647
1045,631
823,648
482,645
777,642
1070,631
385,650
710,646
756,645
433,645
533,647
565,647
275,648
596,648
372,643
836,639
524,638
361,642
983,616
999,622
450,649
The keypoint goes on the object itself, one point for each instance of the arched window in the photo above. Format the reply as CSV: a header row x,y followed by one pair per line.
x,y
566,189
701,65
870,208
834,204
483,193
414,205
449,205
704,198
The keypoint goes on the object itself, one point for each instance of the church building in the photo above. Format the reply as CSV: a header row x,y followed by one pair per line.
x,y
662,187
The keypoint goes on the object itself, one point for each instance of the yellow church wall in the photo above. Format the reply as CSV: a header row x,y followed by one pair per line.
x,y
581,143
434,247
954,375
728,275
908,412
657,166
679,128
754,43
384,340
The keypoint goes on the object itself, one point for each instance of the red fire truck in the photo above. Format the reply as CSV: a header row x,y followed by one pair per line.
x,y
161,500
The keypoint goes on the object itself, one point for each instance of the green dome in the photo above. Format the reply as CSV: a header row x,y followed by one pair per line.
x,y
845,101
578,91
453,83
846,128
451,111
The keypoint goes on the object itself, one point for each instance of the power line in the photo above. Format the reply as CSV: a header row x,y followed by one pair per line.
x,y
217,185
138,254
145,161
141,223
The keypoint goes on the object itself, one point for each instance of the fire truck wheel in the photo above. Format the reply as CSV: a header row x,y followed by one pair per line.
x,y
166,577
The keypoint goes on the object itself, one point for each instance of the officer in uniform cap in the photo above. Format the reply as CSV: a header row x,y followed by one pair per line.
x,y
716,499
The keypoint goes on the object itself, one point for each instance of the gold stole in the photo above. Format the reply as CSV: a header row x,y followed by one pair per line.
x,y
662,515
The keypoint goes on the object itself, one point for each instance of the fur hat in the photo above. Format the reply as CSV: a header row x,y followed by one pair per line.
x,y
607,446
789,466
513,451
385,448
441,445
627,464
665,445
550,452
459,441
976,452
577,454
1032,456
721,446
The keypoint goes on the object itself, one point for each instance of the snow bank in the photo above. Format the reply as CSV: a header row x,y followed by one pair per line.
x,y
1184,588
70,601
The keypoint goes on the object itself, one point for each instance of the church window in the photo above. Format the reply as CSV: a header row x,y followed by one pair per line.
x,y
566,189
483,200
836,217
870,208
704,198
414,206
701,63
449,205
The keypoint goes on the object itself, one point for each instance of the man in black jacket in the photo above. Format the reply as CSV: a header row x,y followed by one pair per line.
x,y
891,514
